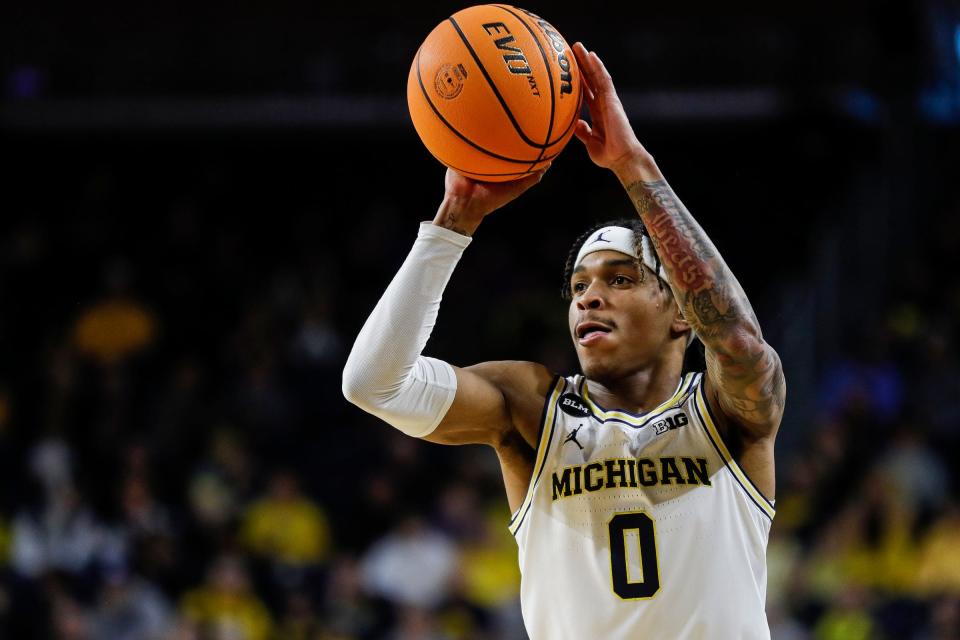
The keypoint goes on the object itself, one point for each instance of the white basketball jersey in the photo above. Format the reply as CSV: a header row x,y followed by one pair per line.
x,y
640,526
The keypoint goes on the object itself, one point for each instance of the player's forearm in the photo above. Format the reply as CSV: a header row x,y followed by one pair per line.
x,y
386,373
712,300
745,368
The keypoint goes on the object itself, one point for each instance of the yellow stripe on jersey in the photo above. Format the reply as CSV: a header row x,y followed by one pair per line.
x,y
546,435
639,420
747,484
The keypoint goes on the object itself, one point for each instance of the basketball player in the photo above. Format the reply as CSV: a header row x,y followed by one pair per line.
x,y
642,499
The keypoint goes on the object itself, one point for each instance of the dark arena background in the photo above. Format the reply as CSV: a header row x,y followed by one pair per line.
x,y
201,203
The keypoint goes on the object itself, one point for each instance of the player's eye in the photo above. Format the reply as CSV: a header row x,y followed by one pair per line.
x,y
621,280
579,287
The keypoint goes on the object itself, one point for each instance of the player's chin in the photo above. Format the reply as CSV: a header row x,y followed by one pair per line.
x,y
598,368
595,363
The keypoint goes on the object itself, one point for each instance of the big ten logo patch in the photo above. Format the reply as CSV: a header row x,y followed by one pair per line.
x,y
670,422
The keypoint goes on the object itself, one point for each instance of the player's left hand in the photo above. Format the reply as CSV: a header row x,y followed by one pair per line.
x,y
610,139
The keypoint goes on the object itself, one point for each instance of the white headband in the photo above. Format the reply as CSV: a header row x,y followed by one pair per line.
x,y
622,240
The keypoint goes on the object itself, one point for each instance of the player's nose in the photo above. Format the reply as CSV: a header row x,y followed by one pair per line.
x,y
591,299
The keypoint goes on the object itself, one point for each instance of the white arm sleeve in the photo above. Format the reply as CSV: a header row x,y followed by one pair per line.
x,y
385,374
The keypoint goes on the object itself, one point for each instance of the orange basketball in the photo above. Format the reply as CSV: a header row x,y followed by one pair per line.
x,y
494,92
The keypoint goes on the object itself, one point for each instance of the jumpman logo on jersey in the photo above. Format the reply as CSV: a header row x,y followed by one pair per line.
x,y
573,437
600,238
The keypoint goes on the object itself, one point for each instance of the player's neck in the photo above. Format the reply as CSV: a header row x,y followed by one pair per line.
x,y
638,392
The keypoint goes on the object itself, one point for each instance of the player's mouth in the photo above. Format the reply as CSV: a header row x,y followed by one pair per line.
x,y
591,332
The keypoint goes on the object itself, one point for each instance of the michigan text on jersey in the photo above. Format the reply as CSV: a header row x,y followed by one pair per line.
x,y
629,472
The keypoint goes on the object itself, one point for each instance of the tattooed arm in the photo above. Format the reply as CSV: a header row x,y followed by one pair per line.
x,y
743,371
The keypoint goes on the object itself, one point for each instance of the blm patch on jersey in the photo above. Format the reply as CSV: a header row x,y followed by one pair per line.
x,y
571,404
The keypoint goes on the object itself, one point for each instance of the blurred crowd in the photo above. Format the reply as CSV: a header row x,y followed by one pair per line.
x,y
177,462
866,542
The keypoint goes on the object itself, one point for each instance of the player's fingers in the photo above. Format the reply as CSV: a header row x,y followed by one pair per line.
x,y
583,62
583,131
587,61
589,95
579,52
594,71
532,179
602,81
588,92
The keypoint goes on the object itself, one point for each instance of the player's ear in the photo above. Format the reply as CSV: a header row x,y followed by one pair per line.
x,y
679,324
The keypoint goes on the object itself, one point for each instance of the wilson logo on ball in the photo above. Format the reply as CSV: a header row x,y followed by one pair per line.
x,y
566,78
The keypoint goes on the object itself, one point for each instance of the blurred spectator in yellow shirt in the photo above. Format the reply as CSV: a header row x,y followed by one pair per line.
x,y
117,325
226,607
285,526
488,562
848,619
868,544
939,566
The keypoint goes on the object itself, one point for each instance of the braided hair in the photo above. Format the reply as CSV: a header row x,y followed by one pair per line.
x,y
639,231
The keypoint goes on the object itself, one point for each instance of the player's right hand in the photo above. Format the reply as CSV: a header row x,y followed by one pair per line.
x,y
467,201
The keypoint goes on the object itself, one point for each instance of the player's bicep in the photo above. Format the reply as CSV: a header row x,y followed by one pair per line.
x,y
491,397
478,410
749,387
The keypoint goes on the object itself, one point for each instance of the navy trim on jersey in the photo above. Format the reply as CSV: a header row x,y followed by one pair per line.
x,y
647,417
703,425
546,408
713,417
535,479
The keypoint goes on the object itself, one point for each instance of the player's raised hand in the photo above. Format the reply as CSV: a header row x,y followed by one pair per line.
x,y
466,201
609,138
